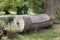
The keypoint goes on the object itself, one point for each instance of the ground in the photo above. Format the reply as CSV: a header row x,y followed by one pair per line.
x,y
44,34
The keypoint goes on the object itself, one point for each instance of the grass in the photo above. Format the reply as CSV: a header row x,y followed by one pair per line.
x,y
44,34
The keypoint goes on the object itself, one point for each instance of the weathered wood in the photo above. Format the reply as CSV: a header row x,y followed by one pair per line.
x,y
32,22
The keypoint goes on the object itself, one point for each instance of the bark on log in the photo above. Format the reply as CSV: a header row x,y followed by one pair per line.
x,y
32,22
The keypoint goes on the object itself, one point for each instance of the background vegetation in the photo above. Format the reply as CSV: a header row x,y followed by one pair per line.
x,y
58,14
36,5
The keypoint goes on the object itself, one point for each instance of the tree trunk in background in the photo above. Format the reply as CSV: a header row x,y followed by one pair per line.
x,y
51,8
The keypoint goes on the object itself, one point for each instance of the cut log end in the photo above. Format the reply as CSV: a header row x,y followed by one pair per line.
x,y
20,22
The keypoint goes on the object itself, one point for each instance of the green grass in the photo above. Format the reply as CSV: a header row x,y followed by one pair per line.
x,y
44,34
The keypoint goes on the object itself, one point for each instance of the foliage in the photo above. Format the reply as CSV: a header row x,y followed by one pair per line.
x,y
2,23
36,5
58,14
10,4
11,26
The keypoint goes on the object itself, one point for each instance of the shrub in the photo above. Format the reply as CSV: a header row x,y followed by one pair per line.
x,y
58,14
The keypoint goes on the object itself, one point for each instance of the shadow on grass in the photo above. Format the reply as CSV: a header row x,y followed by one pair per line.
x,y
39,30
